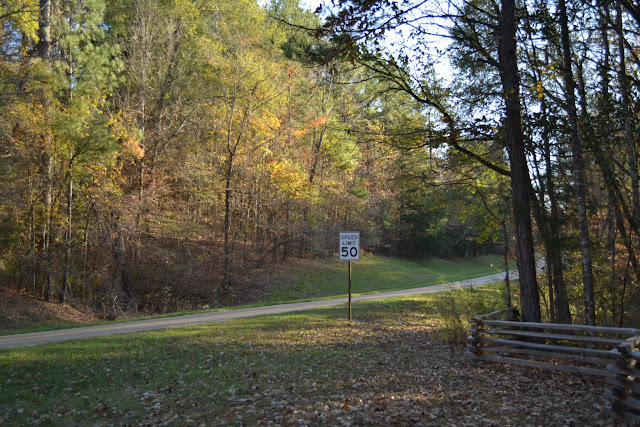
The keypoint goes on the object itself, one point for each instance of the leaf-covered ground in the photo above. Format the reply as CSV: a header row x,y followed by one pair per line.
x,y
389,366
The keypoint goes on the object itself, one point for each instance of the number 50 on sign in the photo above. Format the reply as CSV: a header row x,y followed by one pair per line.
x,y
350,245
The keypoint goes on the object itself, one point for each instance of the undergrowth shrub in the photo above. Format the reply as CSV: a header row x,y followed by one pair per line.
x,y
455,307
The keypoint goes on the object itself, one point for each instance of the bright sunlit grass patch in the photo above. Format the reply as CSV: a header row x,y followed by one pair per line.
x,y
373,274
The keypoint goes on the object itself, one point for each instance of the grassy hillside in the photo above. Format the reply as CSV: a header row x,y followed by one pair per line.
x,y
372,274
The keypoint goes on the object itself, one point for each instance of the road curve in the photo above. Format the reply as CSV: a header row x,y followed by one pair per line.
x,y
35,338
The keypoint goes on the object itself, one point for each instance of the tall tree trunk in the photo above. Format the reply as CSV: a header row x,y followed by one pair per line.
x,y
33,238
47,229
44,29
603,134
507,282
520,181
561,300
578,170
85,252
227,226
67,257
44,51
612,235
604,163
117,286
318,140
627,113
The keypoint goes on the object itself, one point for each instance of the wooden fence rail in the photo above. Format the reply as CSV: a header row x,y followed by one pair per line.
x,y
612,353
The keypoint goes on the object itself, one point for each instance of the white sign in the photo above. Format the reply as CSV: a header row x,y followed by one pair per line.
x,y
349,246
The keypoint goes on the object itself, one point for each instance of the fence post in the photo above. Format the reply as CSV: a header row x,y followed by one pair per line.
x,y
624,379
474,338
477,325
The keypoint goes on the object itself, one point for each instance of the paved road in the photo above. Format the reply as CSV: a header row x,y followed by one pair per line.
x,y
220,316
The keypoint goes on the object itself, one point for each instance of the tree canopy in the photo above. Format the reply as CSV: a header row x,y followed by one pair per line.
x,y
153,153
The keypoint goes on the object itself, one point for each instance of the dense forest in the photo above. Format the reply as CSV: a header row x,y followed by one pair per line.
x,y
155,152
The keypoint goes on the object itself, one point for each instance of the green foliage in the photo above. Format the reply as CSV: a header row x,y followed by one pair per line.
x,y
160,111
296,23
19,20
455,307
425,218
359,189
89,65
340,148
146,107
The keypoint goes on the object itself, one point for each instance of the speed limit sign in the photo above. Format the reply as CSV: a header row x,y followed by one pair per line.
x,y
349,246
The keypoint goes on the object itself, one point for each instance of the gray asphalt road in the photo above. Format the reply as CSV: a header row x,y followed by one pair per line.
x,y
35,338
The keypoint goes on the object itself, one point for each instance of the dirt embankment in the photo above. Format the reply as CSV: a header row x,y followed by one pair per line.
x,y
20,311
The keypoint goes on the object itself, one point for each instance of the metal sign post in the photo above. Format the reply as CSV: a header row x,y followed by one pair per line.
x,y
349,248
349,290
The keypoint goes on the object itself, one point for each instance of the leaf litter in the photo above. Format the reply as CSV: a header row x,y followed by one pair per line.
x,y
387,367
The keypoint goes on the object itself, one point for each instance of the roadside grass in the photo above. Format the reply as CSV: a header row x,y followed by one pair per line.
x,y
375,274
309,365
34,323
37,324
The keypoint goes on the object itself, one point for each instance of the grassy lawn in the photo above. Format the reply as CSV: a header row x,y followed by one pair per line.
x,y
398,362
373,274
207,373
391,365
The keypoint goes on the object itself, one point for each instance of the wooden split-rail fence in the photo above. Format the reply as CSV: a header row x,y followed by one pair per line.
x,y
612,353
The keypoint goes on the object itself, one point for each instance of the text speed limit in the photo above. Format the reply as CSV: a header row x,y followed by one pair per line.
x,y
350,246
